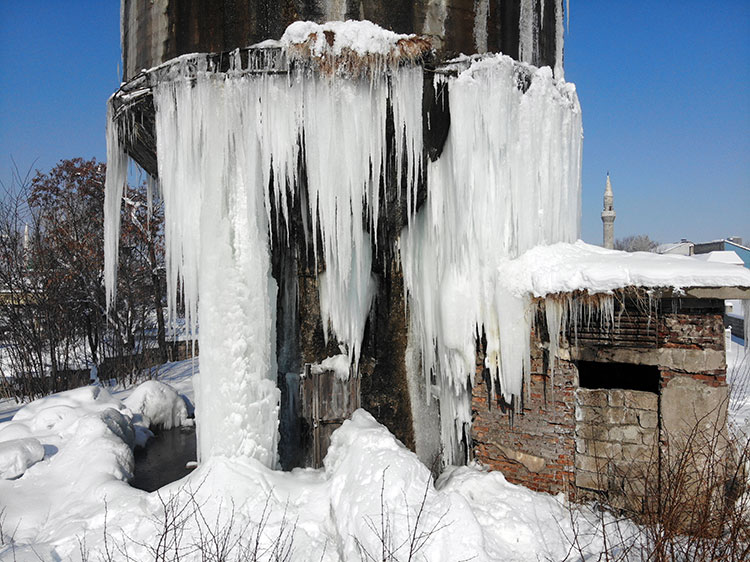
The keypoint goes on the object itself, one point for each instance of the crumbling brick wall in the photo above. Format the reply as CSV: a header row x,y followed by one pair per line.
x,y
557,438
534,446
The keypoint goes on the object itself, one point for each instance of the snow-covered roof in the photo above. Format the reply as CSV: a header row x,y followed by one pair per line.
x,y
674,248
563,268
721,256
725,240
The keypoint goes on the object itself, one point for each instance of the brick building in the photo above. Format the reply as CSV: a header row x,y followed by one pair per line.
x,y
591,428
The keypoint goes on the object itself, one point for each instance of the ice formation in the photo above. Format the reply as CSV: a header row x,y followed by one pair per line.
x,y
228,148
306,119
508,179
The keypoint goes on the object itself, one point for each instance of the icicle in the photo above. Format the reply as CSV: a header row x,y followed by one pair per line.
x,y
560,39
211,171
344,130
746,315
553,311
526,32
481,14
406,98
117,177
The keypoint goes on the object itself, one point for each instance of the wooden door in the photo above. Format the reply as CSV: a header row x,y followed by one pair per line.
x,y
326,402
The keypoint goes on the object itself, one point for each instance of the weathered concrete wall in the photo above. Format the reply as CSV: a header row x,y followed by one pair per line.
x,y
156,31
617,432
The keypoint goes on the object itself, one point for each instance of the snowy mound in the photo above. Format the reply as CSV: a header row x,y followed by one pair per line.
x,y
351,37
19,454
159,403
55,413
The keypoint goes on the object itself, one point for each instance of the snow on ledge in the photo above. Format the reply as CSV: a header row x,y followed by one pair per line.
x,y
352,39
564,268
362,37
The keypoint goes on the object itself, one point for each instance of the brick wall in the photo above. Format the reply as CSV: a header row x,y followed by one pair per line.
x,y
534,446
558,437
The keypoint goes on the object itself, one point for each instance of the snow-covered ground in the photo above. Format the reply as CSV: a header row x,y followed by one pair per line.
x,y
74,456
65,461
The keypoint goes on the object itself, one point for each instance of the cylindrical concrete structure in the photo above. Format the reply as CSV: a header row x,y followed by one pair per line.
x,y
156,31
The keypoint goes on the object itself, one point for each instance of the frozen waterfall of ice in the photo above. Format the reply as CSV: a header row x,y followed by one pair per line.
x,y
508,180
228,146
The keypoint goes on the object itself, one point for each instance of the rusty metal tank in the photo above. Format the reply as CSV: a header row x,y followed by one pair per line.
x,y
154,31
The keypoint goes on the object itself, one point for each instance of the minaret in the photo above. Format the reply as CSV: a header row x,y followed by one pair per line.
x,y
608,216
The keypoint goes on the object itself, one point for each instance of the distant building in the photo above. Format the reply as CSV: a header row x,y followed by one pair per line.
x,y
608,216
731,244
683,248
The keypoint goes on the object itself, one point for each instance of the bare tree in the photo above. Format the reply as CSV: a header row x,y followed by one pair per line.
x,y
54,316
636,243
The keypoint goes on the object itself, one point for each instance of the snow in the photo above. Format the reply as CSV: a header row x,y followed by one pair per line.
x,y
721,256
362,37
71,450
78,494
562,268
159,404
17,455
339,364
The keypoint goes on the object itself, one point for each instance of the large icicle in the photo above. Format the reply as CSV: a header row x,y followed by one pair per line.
x,y
211,170
344,130
508,179
117,177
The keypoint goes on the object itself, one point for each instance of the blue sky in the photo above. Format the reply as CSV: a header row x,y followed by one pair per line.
x,y
664,88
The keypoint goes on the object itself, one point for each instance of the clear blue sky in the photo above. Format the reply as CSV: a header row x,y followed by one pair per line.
x,y
664,86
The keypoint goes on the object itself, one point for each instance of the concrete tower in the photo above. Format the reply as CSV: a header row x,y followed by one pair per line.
x,y
608,216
